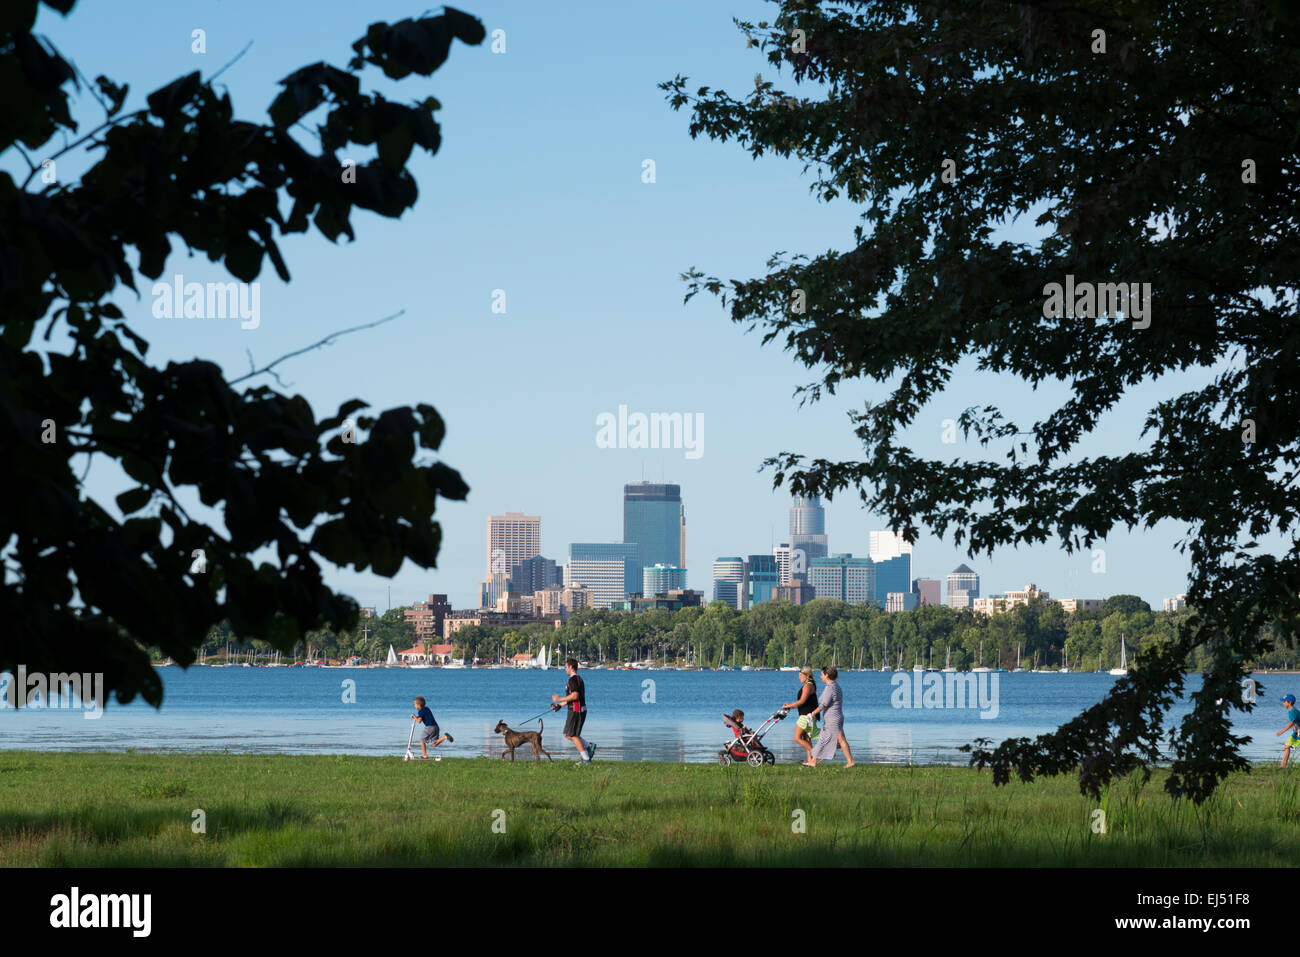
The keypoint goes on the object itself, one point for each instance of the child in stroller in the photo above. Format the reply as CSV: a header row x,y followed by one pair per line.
x,y
747,745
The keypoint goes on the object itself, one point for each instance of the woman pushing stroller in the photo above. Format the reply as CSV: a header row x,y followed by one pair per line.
x,y
805,728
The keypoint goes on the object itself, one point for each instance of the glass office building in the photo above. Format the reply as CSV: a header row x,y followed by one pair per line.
x,y
661,579
845,578
763,577
610,570
893,575
654,520
963,587
729,581
808,527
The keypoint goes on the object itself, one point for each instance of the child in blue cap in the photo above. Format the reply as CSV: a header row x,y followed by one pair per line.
x,y
1293,717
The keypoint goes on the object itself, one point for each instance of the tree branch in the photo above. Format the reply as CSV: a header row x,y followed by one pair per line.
x,y
315,345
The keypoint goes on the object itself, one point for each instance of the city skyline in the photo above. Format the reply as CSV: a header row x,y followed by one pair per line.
x,y
698,211
889,545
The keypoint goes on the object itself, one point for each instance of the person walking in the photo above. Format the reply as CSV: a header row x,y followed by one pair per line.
x,y
831,707
805,702
575,697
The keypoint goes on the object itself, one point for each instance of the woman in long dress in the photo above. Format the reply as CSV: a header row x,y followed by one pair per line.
x,y
831,707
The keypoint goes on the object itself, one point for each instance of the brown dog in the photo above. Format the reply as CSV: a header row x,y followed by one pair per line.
x,y
515,738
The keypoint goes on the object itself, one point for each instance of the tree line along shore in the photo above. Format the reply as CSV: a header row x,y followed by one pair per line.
x,y
1036,635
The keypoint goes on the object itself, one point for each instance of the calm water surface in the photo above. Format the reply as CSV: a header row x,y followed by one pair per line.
x,y
677,718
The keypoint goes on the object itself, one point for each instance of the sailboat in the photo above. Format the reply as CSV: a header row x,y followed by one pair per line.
x,y
1065,662
947,662
980,669
917,663
392,657
1017,668
884,658
1123,660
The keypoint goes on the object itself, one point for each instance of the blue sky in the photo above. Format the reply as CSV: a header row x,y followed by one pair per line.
x,y
537,191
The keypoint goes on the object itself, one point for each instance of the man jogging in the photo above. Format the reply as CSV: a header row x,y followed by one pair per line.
x,y
575,696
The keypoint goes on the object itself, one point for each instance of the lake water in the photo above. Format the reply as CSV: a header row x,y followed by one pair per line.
x,y
677,718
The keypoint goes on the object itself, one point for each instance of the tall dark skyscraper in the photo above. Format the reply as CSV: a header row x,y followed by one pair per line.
x,y
808,527
653,519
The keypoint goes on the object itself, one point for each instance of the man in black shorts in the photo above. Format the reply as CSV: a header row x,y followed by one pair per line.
x,y
575,697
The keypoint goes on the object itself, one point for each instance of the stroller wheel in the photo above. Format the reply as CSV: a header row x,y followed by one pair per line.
x,y
724,758
769,758
755,759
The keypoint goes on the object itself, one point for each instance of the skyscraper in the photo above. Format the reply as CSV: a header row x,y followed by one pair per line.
x,y
844,577
609,569
886,545
761,578
511,538
927,590
808,527
893,575
787,563
655,521
729,581
533,574
661,579
963,587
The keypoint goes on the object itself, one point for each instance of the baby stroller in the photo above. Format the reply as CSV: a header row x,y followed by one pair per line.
x,y
748,746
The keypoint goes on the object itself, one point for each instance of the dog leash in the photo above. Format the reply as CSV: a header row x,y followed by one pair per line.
x,y
536,716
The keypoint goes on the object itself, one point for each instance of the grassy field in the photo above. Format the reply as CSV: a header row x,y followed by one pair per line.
x,y
266,811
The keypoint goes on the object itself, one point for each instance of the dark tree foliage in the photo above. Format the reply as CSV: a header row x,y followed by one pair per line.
x,y
1169,157
1125,604
85,591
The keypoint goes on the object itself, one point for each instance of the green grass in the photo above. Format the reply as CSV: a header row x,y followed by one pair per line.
x,y
272,810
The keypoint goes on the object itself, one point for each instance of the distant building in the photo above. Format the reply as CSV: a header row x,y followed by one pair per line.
x,y
892,575
844,577
466,618
808,527
1175,603
674,600
963,587
524,606
901,600
492,589
426,653
798,591
886,545
761,578
661,579
785,563
729,582
561,599
608,569
533,574
655,521
426,617
1079,604
1025,595
511,538
927,590
368,611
